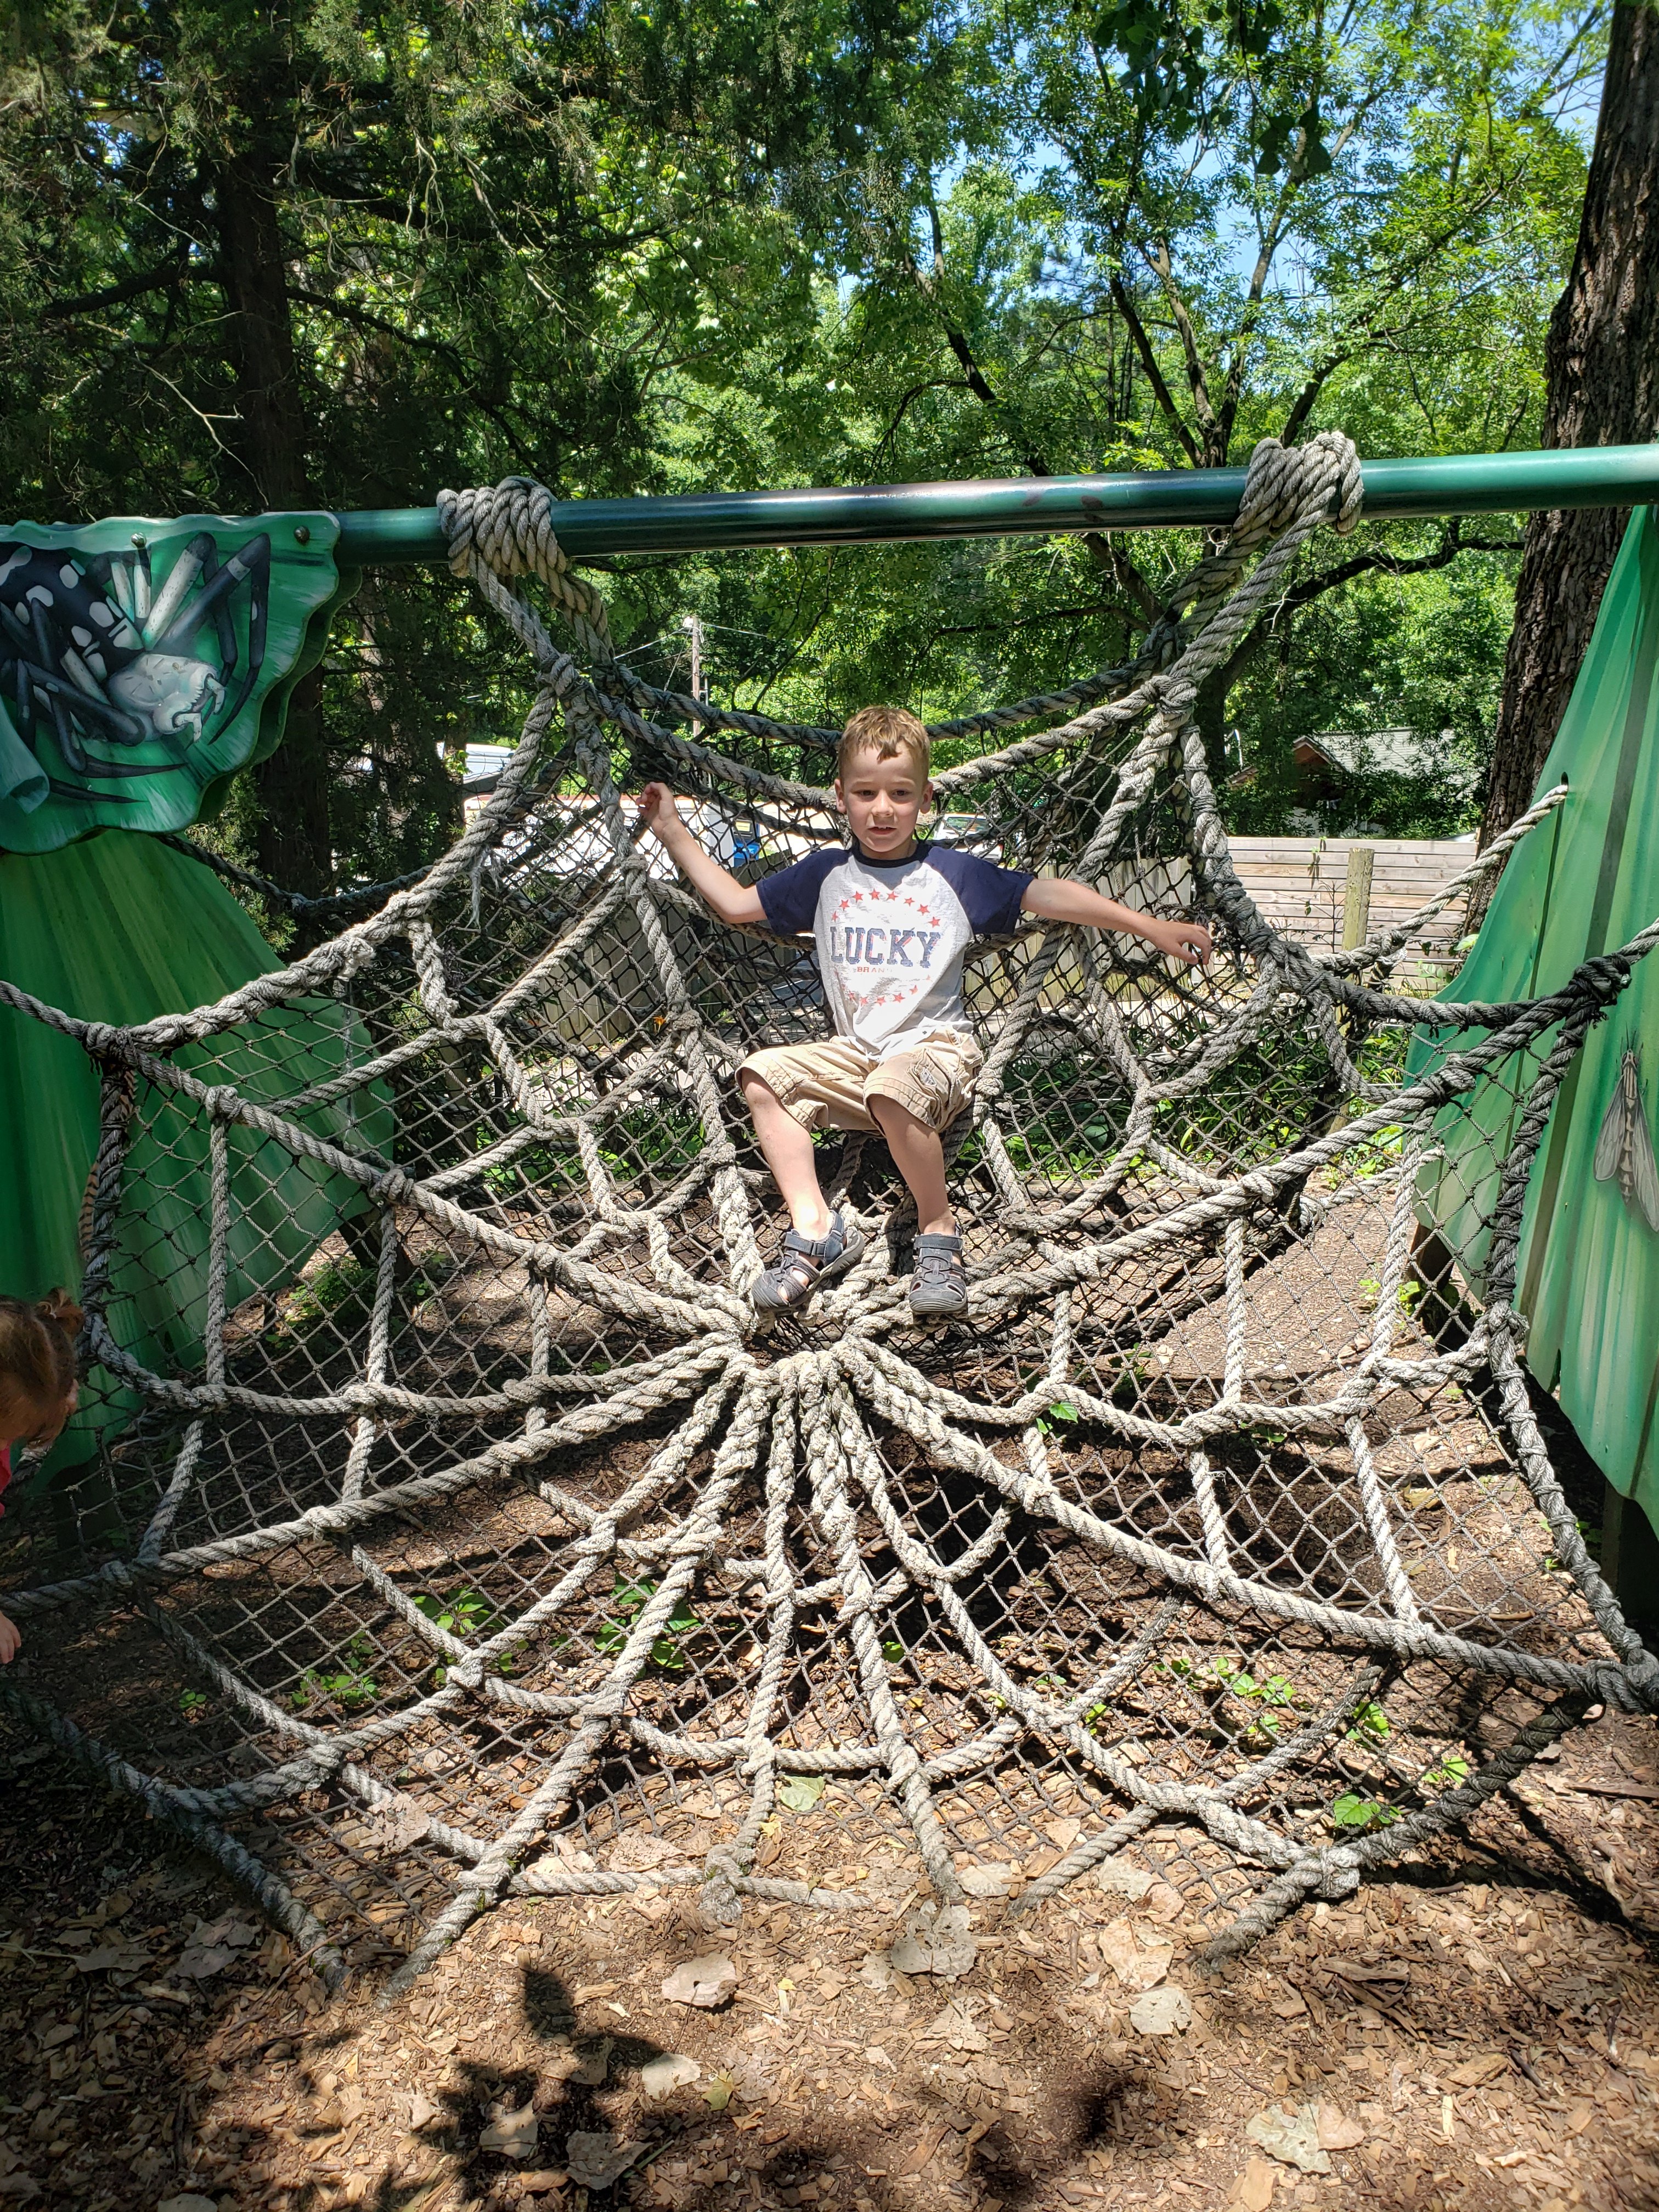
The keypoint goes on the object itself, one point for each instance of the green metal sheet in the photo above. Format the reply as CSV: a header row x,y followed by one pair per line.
x,y
119,928
144,663
1584,882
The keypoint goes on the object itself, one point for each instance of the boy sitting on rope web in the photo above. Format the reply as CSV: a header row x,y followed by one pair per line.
x,y
893,921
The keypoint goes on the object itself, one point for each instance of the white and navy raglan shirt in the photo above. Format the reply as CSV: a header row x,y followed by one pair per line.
x,y
892,935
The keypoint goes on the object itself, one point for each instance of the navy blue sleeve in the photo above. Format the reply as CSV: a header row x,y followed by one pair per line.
x,y
789,900
990,896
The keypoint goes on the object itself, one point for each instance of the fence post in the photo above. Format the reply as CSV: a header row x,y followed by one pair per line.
x,y
1357,897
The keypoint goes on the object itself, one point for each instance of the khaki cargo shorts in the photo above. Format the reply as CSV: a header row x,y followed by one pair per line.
x,y
829,1086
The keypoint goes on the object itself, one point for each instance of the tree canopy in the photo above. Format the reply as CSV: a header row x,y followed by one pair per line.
x,y
322,253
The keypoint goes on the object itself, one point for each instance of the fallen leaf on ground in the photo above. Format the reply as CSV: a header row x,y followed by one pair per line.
x,y
1254,2190
395,1826
1336,2130
543,2180
988,1881
1290,2134
112,1958
511,2134
1138,1965
229,1928
799,1793
1473,2071
661,2077
213,1944
935,1940
199,1962
1122,1879
877,1971
1166,2011
707,1982
595,2158
718,2095
955,2026
636,1850
421,2110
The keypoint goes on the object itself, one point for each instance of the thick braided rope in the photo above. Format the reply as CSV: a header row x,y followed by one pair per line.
x,y
508,528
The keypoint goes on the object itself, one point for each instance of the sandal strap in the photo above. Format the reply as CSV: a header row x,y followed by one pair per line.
x,y
804,1259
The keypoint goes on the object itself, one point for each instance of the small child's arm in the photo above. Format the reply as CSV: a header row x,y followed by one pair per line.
x,y
1056,898
734,902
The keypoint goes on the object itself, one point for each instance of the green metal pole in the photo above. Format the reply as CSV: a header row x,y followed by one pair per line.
x,y
1461,484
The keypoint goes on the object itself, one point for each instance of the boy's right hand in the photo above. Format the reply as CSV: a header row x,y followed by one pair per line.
x,y
10,1637
659,811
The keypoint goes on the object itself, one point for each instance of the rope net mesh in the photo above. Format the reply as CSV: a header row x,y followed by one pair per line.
x,y
498,1547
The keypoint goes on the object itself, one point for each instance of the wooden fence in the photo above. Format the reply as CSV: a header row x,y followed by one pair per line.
x,y
1333,892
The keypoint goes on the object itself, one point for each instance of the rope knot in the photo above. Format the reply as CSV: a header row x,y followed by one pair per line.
x,y
1284,481
507,528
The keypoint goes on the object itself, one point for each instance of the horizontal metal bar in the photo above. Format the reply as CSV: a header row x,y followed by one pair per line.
x,y
1462,483
1457,484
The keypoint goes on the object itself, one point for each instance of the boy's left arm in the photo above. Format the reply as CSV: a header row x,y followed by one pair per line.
x,y
1056,898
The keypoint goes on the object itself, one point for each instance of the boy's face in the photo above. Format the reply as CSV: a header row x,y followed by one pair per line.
x,y
883,800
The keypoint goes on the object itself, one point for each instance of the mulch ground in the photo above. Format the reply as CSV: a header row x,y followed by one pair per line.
x,y
1481,2032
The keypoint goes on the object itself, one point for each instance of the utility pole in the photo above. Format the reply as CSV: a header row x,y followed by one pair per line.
x,y
692,625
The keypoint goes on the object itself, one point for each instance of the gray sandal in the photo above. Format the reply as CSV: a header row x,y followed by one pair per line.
x,y
806,1265
938,1288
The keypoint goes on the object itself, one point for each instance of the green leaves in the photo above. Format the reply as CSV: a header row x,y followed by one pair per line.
x,y
463,1613
1356,1815
1186,66
630,1600
348,1685
1449,1773
799,1793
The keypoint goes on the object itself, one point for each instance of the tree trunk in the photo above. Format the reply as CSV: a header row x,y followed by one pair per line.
x,y
294,845
1603,364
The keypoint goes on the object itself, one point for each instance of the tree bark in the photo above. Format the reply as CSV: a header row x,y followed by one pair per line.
x,y
1602,360
296,849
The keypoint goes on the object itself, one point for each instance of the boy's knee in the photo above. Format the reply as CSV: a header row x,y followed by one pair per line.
x,y
888,1114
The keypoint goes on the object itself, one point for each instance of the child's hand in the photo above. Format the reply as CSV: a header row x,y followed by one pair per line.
x,y
10,1637
1182,940
659,811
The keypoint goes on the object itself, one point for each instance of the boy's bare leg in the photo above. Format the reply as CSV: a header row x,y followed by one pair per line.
x,y
788,1152
919,1156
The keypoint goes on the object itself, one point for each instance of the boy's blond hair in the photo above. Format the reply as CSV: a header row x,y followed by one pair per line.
x,y
885,732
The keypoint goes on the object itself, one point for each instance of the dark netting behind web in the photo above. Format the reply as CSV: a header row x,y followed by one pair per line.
x,y
465,1533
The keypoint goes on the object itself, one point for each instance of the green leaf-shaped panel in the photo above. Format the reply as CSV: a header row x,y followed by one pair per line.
x,y
142,663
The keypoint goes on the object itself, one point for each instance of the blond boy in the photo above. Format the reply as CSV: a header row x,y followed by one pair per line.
x,y
893,918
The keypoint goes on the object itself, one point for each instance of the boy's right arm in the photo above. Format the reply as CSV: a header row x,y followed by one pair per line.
x,y
732,901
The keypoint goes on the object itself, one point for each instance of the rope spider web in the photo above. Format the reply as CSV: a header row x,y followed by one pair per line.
x,y
506,1551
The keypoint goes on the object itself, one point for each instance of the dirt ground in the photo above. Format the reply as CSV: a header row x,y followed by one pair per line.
x,y
1481,2032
